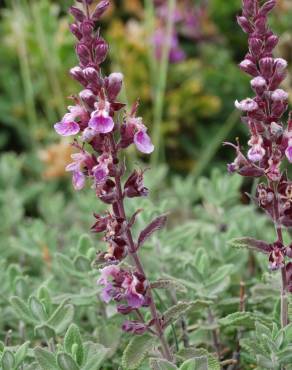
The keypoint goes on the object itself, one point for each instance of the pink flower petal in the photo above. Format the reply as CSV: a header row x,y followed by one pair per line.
x,y
288,153
78,180
67,128
101,124
143,142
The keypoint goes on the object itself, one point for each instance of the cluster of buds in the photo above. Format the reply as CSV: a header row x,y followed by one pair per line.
x,y
100,134
270,142
187,21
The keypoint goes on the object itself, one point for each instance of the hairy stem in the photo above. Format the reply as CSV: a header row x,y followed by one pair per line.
x,y
284,288
137,261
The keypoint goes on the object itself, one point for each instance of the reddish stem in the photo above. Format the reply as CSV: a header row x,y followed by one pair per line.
x,y
136,259
284,288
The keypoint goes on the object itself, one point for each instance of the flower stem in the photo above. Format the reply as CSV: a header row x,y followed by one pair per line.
x,y
284,301
137,261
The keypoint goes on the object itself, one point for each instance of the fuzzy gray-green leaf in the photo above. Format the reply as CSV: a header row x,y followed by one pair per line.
x,y
136,351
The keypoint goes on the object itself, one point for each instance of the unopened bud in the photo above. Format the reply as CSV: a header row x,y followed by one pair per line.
x,y
113,85
100,9
77,13
83,53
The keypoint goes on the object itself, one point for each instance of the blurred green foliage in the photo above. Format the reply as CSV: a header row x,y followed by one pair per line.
x,y
48,279
50,315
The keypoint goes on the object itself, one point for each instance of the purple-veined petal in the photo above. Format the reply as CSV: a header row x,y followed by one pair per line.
x,y
100,173
101,124
288,153
67,128
106,293
106,272
135,300
78,180
143,142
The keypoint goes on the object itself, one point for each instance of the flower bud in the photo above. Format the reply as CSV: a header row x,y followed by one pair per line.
x,y
86,28
271,43
288,151
277,79
76,31
259,85
101,49
249,67
88,97
245,24
113,85
124,309
100,9
77,74
278,109
77,13
281,64
248,7
90,74
266,67
246,105
83,53
279,95
261,25
267,7
255,46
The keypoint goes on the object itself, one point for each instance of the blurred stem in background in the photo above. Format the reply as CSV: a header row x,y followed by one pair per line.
x,y
211,149
51,60
18,29
159,74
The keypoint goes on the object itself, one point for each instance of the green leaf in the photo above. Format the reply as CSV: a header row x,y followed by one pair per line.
x,y
250,243
285,356
21,353
244,319
45,331
168,284
266,363
160,364
82,264
45,359
202,357
136,351
8,360
22,310
175,312
84,244
95,355
197,363
66,362
181,308
73,337
62,317
45,298
219,280
37,309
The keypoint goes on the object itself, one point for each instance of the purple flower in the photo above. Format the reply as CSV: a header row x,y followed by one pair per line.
x,y
79,160
279,95
134,327
288,151
176,54
100,173
123,285
101,121
246,105
68,126
143,142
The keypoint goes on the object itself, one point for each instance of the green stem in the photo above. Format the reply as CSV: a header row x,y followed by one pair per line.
x,y
214,144
161,76
19,31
